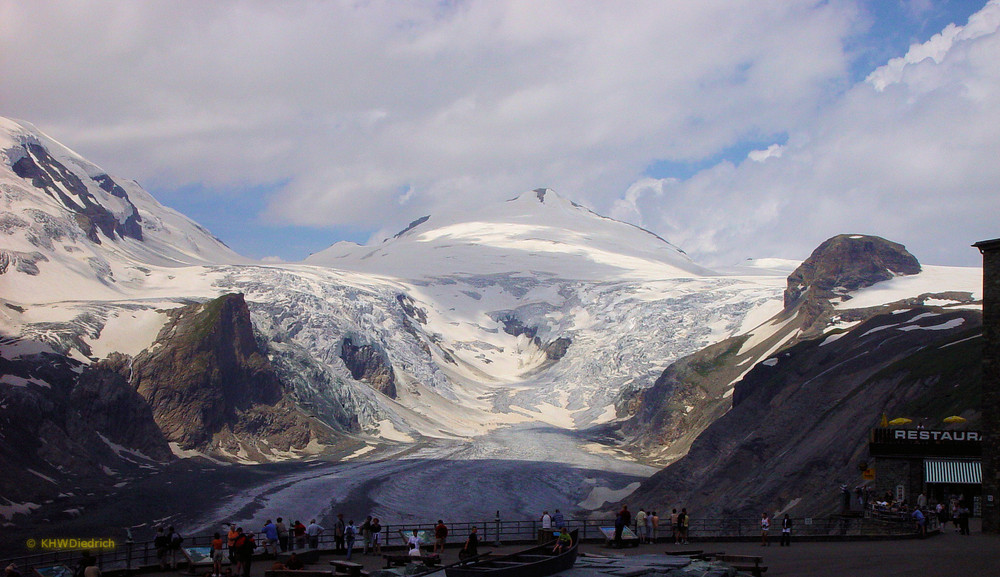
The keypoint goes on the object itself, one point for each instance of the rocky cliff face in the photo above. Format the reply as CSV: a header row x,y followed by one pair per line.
x,y
211,387
777,416
370,365
800,420
70,429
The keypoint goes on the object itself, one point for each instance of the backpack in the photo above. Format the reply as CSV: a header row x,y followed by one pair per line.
x,y
349,532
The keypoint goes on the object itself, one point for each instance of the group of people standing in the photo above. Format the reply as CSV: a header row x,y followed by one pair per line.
x,y
786,530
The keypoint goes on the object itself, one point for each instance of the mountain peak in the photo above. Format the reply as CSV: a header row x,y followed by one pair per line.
x,y
849,262
538,231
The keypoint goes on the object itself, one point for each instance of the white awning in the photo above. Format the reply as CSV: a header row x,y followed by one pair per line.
x,y
953,472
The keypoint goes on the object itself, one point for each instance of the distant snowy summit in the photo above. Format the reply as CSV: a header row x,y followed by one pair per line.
x,y
538,232
65,215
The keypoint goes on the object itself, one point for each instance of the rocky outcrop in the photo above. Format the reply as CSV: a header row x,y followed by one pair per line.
x,y
105,401
848,262
81,425
205,371
48,174
370,365
554,350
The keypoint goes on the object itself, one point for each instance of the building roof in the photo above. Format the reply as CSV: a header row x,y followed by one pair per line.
x,y
988,245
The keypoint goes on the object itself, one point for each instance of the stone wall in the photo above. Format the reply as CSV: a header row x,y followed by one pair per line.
x,y
991,384
893,472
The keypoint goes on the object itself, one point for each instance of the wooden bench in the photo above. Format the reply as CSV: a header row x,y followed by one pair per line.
x,y
349,568
297,573
428,560
750,563
699,554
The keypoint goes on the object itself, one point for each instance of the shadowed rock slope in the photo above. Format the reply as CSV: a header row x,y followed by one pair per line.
x,y
781,414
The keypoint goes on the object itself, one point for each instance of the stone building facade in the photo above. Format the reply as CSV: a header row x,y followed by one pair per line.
x,y
991,384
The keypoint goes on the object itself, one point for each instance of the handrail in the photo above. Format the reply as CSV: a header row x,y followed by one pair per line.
x,y
498,531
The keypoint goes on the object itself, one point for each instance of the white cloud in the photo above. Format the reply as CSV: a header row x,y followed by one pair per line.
x,y
773,151
378,112
911,159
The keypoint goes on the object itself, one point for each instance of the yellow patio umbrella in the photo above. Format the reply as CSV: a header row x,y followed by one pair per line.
x,y
900,421
954,419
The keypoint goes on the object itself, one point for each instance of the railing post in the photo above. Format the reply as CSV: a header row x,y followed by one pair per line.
x,y
497,542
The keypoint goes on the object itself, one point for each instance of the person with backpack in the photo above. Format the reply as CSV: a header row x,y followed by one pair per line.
x,y
162,544
245,546
350,533
176,549
681,523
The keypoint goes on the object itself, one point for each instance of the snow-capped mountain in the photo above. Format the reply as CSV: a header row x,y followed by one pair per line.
x,y
536,309
538,231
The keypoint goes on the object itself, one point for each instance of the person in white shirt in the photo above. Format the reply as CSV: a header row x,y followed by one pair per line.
x,y
414,544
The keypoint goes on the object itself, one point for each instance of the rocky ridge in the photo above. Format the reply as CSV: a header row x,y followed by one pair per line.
x,y
776,436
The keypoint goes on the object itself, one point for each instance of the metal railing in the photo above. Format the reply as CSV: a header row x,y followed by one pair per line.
x,y
132,556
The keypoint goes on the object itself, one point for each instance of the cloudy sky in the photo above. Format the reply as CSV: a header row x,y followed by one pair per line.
x,y
732,128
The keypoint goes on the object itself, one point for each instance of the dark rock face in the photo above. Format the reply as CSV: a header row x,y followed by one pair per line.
x,y
106,401
48,174
554,350
204,370
848,262
370,365
83,426
800,420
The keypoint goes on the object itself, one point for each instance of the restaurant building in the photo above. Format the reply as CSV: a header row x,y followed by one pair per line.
x,y
937,463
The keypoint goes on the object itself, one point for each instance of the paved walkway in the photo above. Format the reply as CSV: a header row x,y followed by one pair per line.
x,y
945,555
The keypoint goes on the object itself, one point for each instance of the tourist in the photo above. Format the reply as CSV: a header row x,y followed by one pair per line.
x,y
471,547
86,560
162,545
675,526
558,520
231,542
414,544
685,524
300,534
564,541
765,526
918,516
282,535
640,525
313,531
294,563
963,520
350,533
440,535
786,531
546,520
176,549
654,526
217,555
245,546
270,539
366,533
376,536
338,534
